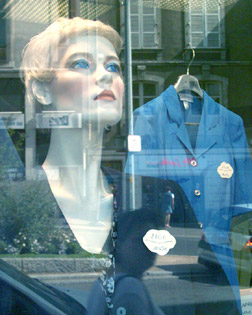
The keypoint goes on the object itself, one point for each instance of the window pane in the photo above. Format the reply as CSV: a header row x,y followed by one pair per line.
x,y
197,40
134,7
135,23
148,23
208,21
212,23
197,23
135,89
136,103
11,95
135,40
149,89
213,88
148,92
148,7
148,40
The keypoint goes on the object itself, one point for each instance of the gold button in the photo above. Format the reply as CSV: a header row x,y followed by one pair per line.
x,y
197,192
194,163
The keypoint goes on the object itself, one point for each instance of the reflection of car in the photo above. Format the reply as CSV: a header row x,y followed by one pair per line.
x,y
207,256
20,294
249,245
240,237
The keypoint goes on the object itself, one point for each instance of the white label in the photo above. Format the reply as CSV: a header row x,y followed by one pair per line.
x,y
225,170
246,303
134,143
159,241
186,97
55,120
13,120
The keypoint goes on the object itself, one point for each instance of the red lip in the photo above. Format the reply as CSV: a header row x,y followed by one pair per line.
x,y
105,95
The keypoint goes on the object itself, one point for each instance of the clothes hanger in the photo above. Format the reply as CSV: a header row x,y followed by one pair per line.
x,y
188,82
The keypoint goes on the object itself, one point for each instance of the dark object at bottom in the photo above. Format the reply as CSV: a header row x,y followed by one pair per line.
x,y
20,294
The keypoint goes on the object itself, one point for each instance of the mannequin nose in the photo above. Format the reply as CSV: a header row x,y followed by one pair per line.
x,y
104,79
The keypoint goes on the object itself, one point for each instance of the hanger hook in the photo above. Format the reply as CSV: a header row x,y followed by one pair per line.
x,y
188,68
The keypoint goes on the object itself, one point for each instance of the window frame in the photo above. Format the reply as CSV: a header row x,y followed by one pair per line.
x,y
188,27
141,97
157,31
223,86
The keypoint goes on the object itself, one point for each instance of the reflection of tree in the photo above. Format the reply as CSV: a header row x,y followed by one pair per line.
x,y
29,222
9,158
18,139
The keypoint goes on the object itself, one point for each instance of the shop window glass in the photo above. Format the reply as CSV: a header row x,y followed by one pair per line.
x,y
157,196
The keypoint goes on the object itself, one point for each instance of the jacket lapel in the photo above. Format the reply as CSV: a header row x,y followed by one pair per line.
x,y
184,138
172,103
209,128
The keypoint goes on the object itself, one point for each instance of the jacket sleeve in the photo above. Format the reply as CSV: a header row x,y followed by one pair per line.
x,y
243,168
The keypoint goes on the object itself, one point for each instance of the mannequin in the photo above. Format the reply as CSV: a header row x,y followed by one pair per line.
x,y
78,69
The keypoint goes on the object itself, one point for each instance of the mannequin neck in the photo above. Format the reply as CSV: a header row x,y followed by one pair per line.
x,y
73,147
80,188
76,158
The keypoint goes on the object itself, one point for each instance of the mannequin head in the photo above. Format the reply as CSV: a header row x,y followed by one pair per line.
x,y
74,65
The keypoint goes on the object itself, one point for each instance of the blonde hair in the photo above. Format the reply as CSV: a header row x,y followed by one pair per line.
x,y
41,52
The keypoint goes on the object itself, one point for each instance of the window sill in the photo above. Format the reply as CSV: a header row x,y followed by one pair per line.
x,y
147,53
209,54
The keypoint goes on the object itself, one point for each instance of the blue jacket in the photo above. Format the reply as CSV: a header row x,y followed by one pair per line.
x,y
167,153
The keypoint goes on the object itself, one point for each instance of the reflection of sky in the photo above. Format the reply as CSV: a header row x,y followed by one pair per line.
x,y
47,11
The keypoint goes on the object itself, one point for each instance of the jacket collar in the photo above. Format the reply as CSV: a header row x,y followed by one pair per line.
x,y
207,133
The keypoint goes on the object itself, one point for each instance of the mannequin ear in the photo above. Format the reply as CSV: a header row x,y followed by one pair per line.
x,y
41,92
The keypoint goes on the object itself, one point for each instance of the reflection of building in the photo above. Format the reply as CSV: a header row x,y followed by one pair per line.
x,y
216,31
161,33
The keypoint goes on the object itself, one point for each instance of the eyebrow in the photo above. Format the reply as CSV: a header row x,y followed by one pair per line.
x,y
89,57
76,55
108,58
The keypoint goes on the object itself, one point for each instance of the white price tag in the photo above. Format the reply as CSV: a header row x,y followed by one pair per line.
x,y
225,170
246,303
159,241
134,143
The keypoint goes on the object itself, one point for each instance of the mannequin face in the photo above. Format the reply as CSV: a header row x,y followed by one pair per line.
x,y
88,80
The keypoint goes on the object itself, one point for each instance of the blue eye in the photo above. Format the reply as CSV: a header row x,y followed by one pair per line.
x,y
113,67
81,64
